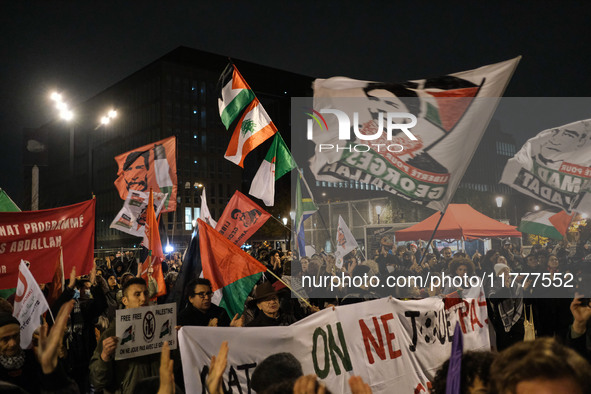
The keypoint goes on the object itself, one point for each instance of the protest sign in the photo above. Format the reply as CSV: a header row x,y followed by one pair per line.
x,y
37,236
131,219
388,342
144,330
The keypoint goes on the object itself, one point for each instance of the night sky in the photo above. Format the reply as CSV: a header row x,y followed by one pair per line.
x,y
81,49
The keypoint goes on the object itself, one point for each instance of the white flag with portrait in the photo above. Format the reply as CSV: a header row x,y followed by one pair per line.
x,y
361,130
555,167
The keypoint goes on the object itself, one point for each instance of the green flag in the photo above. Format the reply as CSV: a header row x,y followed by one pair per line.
x,y
6,203
277,163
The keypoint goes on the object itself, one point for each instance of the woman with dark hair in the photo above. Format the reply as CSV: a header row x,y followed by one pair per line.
x,y
488,262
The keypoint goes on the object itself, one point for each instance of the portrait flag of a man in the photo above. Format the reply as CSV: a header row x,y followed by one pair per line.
x,y
555,167
241,219
151,166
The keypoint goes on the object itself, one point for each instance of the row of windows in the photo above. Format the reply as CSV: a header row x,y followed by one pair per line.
x,y
348,185
475,186
505,149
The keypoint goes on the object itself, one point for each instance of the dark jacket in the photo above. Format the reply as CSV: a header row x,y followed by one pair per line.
x,y
191,316
120,376
582,343
26,377
262,320
30,379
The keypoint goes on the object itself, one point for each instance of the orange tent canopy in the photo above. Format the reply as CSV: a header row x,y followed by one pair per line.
x,y
460,221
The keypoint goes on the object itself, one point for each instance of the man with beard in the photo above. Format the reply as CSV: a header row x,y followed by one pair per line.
x,y
247,218
17,366
135,170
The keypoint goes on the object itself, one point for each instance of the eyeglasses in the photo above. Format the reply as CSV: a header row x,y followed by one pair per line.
x,y
204,294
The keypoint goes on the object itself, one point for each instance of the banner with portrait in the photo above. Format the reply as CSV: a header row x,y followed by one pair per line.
x,y
151,166
241,219
554,167
131,219
402,138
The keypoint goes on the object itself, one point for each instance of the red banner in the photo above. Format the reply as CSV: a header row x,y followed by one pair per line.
x,y
241,219
36,236
151,166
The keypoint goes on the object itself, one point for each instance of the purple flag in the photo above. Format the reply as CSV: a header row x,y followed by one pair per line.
x,y
454,372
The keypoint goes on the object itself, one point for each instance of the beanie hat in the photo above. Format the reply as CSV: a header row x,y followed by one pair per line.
x,y
7,318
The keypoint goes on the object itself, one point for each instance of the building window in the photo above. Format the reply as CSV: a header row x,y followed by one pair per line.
x,y
188,219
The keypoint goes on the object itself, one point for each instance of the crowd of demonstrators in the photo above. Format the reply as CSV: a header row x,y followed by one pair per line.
x,y
86,355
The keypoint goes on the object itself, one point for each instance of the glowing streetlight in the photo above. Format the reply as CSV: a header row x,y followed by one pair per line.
x,y
499,201
284,221
106,119
536,207
169,248
584,216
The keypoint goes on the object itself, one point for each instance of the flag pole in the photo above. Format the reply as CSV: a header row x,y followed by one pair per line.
x,y
326,229
51,314
433,234
290,288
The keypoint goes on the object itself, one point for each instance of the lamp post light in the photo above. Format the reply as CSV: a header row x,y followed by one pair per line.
x,y
284,220
66,114
499,201
378,212
536,207
105,120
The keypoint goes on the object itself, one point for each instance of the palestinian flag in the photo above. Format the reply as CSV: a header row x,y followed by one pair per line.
x,y
242,112
128,335
232,272
546,223
277,163
165,329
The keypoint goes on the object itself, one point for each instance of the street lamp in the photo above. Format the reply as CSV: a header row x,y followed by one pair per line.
x,y
284,220
66,114
499,201
536,207
378,212
105,120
